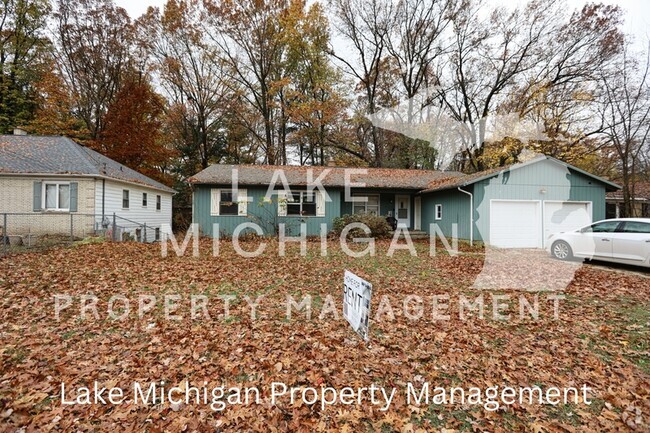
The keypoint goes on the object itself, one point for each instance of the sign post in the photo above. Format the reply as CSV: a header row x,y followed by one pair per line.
x,y
356,303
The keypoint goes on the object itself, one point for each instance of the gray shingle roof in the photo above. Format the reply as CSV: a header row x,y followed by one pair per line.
x,y
25,154
297,175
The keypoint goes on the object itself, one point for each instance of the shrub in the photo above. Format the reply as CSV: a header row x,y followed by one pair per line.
x,y
378,226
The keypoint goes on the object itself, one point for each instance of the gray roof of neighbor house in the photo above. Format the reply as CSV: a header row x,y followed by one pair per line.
x,y
334,177
470,179
52,155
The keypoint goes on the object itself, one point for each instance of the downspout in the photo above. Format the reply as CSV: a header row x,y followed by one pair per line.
x,y
471,215
103,199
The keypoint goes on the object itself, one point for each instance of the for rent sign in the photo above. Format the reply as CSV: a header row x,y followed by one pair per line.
x,y
356,302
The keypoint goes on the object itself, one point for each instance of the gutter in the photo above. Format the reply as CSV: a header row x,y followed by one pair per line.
x,y
471,215
88,176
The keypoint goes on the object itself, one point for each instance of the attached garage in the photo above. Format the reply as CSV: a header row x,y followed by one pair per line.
x,y
528,223
515,224
565,216
518,206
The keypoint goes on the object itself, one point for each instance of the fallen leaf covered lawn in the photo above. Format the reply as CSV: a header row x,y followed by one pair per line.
x,y
600,338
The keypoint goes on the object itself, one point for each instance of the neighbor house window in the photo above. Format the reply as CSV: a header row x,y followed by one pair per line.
x,y
158,202
301,203
157,234
144,199
227,203
370,207
438,212
57,196
125,198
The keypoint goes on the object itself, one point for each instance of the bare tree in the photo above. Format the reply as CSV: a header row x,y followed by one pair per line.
x,y
365,25
94,39
625,113
487,59
250,35
560,92
194,78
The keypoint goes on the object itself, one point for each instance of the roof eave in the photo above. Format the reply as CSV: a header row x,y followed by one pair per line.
x,y
89,176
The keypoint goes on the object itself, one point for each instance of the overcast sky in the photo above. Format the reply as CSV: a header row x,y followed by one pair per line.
x,y
637,17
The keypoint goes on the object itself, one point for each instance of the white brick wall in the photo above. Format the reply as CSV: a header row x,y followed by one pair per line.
x,y
16,196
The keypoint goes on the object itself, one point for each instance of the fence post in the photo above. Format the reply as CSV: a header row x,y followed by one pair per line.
x,y
114,228
4,234
144,239
71,229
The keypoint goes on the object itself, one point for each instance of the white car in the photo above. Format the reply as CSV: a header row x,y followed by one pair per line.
x,y
621,240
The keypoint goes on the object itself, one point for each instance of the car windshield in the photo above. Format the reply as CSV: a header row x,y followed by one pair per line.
x,y
603,227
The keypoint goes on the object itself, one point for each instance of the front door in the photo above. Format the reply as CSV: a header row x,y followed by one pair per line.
x,y
417,217
403,210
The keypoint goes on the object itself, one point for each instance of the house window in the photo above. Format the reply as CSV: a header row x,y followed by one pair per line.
x,y
144,199
57,196
301,203
438,212
125,198
158,202
157,233
227,204
370,207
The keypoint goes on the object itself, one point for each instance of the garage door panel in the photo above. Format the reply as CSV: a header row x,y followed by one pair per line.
x,y
565,216
515,224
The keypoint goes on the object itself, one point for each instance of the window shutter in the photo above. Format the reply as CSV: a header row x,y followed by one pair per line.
x,y
282,203
215,197
243,204
38,196
74,188
320,204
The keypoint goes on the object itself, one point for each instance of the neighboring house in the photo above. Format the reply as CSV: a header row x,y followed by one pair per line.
x,y
516,206
48,183
640,202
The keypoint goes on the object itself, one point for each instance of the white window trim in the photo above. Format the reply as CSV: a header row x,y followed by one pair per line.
x,y
145,206
302,192
215,202
438,210
57,208
364,203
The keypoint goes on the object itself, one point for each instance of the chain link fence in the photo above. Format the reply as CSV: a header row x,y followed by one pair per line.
x,y
21,232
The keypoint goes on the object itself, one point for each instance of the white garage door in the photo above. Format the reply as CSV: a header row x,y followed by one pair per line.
x,y
565,216
515,224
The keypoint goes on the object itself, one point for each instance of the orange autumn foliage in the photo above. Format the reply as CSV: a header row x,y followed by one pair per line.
x,y
132,135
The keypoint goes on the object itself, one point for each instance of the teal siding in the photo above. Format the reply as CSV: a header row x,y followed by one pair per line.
x,y
264,215
386,201
543,181
455,210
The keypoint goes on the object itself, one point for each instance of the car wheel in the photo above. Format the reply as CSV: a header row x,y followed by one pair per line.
x,y
561,250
